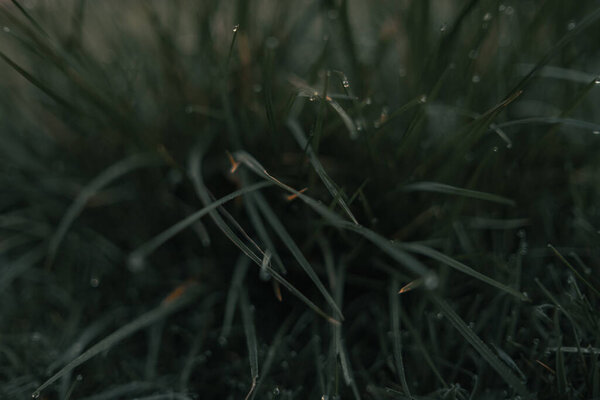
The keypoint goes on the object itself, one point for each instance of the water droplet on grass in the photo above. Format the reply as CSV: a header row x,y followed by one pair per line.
x,y
345,83
6,29
476,78
276,391
35,395
571,25
443,28
597,81
596,132
423,99
136,262
235,28
431,281
487,16
495,149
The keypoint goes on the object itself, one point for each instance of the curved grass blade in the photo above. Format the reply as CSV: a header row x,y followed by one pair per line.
x,y
202,192
154,243
295,250
162,311
453,190
449,261
314,160
589,126
513,381
107,176
250,332
239,273
273,351
395,318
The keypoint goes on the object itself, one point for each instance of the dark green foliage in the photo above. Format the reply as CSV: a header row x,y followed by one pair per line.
x,y
299,199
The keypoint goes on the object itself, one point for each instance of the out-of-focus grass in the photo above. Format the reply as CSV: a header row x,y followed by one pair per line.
x,y
223,199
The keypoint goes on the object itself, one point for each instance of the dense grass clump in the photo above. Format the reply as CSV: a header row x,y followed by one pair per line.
x,y
299,200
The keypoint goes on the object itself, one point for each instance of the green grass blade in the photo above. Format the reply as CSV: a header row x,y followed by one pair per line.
x,y
157,241
143,321
314,160
239,273
250,332
456,191
449,261
395,321
484,351
295,250
106,177
575,272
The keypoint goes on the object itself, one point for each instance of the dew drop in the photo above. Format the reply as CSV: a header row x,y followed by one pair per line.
x,y
276,391
35,395
313,96
495,149
325,397
571,25
597,81
439,315
487,16
423,99
6,29
476,78
235,28
94,281
596,132
443,28
345,83
525,294
136,262
368,101
431,281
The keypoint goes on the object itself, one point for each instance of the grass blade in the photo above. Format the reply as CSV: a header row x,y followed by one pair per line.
x,y
107,176
250,331
295,250
486,353
395,320
453,190
162,311
449,261
327,181
157,241
239,273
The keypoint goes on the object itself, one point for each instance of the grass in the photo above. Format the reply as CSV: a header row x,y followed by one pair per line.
x,y
299,200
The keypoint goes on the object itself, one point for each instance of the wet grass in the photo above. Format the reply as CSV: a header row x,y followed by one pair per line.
x,y
299,200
